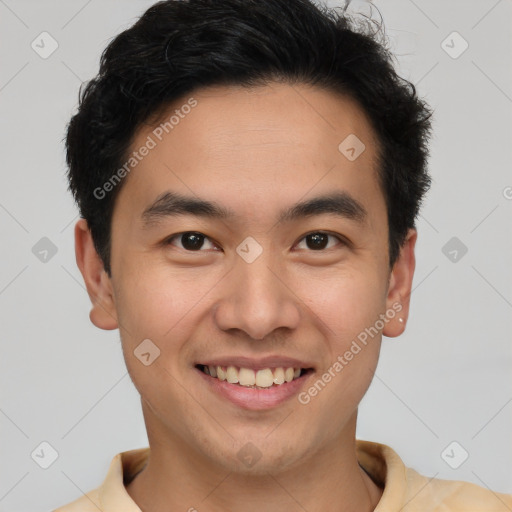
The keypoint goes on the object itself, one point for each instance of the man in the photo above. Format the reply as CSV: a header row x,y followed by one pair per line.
x,y
248,175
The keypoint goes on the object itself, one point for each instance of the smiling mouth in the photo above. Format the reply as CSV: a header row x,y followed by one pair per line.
x,y
249,378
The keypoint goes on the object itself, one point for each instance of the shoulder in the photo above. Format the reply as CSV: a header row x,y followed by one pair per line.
x,y
407,490
87,503
453,495
112,494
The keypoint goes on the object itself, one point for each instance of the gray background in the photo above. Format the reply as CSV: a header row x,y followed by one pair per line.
x,y
446,379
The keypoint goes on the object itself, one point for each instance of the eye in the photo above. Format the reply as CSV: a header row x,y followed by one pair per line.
x,y
319,240
191,241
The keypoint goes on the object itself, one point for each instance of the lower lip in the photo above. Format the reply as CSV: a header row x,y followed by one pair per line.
x,y
255,399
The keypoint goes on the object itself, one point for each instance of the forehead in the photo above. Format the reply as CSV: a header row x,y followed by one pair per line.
x,y
255,148
275,113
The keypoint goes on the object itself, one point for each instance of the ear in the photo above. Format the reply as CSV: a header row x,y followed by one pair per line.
x,y
400,286
99,286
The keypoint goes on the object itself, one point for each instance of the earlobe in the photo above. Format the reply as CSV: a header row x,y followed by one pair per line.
x,y
400,287
99,286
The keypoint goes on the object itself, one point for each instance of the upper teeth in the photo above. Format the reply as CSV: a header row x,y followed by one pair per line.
x,y
248,377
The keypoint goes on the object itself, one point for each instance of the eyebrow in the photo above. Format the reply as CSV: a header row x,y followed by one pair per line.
x,y
172,204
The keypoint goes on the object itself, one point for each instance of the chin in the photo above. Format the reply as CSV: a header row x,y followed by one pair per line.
x,y
260,457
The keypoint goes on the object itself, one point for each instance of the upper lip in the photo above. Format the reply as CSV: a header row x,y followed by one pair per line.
x,y
257,363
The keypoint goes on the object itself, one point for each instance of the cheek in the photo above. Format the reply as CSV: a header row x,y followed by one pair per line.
x,y
155,304
158,305
347,310
346,303
166,306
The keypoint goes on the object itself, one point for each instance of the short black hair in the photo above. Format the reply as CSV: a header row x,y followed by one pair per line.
x,y
178,46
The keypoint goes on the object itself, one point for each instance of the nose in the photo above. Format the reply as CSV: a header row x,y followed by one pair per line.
x,y
257,298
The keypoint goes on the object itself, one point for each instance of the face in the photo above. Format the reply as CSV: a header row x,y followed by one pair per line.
x,y
285,266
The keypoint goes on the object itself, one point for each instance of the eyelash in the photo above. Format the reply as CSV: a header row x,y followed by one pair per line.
x,y
340,239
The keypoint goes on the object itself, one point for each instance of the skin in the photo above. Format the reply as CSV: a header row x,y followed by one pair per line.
x,y
255,151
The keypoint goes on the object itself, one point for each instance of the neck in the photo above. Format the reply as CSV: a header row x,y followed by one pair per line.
x,y
177,477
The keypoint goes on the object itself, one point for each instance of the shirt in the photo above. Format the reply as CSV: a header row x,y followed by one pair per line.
x,y
405,490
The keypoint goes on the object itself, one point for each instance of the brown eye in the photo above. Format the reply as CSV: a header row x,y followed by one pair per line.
x,y
319,240
191,241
